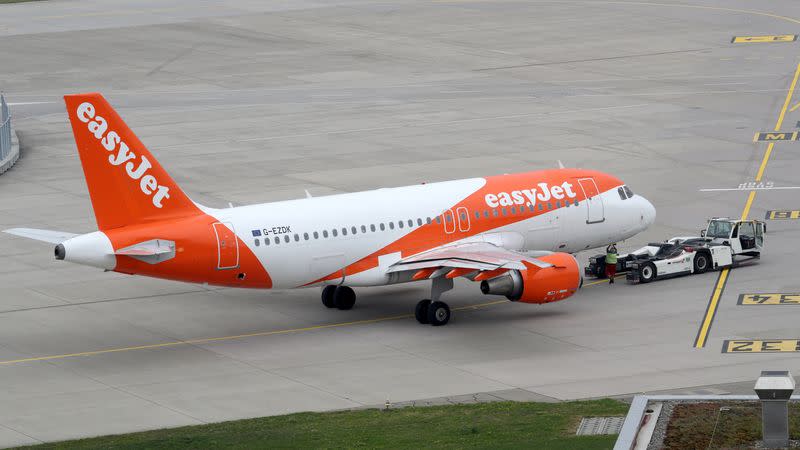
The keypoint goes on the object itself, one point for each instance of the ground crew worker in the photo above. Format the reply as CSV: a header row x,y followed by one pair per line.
x,y
611,262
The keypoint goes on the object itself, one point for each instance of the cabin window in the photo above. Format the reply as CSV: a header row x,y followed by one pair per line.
x,y
477,214
305,236
400,223
324,233
258,242
354,230
383,227
344,231
428,220
316,235
439,219
363,228
391,225
410,223
334,232
419,222
372,227
286,238
513,210
266,241
486,213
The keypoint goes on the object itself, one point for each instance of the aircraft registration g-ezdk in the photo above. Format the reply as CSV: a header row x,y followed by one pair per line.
x,y
511,233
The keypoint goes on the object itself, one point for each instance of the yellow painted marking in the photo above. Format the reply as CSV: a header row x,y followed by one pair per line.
x,y
702,335
761,346
712,308
768,38
747,204
795,107
793,214
238,336
772,298
775,136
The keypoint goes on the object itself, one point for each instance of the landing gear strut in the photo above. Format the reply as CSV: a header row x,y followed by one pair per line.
x,y
435,312
341,297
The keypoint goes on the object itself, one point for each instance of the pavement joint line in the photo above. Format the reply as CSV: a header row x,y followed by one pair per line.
x,y
722,279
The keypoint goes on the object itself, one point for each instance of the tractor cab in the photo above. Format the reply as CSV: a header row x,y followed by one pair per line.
x,y
744,237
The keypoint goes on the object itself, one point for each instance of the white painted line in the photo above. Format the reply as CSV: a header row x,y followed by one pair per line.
x,y
749,188
28,103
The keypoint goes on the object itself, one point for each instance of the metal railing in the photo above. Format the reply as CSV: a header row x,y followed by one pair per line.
x,y
5,128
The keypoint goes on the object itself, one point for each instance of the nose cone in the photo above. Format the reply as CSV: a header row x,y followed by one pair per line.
x,y
648,212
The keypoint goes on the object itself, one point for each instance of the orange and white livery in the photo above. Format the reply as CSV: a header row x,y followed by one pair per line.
x,y
511,234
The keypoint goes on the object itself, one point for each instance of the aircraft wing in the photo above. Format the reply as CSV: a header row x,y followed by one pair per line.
x,y
479,259
53,237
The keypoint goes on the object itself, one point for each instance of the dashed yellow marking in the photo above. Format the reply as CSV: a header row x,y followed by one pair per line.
x,y
764,39
772,298
761,346
713,302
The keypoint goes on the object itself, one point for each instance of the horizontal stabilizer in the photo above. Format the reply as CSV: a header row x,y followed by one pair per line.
x,y
53,237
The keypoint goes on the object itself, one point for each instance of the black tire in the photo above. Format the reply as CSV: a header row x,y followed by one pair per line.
x,y
421,311
701,262
327,296
344,297
438,313
647,273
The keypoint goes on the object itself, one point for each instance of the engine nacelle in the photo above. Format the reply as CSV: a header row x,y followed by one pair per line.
x,y
538,285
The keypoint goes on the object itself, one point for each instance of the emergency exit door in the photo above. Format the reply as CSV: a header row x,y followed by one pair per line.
x,y
227,246
595,210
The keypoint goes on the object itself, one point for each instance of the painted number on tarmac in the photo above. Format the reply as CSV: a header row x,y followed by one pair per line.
x,y
776,136
761,39
761,346
769,299
783,214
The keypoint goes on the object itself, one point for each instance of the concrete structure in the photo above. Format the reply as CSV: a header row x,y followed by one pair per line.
x,y
775,388
257,101
9,144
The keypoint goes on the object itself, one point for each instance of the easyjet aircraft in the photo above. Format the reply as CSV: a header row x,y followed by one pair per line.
x,y
511,233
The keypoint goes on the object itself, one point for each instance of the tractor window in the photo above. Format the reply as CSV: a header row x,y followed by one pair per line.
x,y
718,229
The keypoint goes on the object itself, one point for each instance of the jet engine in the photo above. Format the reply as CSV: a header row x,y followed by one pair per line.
x,y
536,284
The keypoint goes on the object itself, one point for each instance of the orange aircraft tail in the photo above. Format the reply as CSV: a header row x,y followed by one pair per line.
x,y
126,183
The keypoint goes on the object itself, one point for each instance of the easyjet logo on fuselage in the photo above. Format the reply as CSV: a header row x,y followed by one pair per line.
x,y
111,141
542,193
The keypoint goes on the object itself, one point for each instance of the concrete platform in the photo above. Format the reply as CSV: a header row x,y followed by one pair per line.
x,y
254,102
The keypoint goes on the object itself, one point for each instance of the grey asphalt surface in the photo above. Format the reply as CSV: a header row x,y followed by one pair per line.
x,y
249,101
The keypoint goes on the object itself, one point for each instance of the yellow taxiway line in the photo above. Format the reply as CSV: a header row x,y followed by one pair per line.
x,y
713,302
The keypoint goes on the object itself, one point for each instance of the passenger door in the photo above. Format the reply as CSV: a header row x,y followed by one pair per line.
x,y
595,210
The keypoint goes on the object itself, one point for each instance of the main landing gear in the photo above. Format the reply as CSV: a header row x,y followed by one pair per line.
x,y
341,297
435,312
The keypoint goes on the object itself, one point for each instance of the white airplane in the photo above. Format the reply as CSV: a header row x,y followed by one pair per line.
x,y
512,233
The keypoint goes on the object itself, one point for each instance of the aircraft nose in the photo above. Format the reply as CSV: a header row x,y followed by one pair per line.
x,y
648,212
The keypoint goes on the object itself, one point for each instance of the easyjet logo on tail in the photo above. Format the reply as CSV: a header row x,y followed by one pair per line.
x,y
529,197
112,142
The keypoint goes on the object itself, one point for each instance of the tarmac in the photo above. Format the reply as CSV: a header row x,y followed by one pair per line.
x,y
249,101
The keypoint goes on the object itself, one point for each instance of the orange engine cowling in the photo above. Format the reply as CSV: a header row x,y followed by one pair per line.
x,y
536,284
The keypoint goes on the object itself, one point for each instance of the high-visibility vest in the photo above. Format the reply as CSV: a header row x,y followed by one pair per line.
x,y
611,258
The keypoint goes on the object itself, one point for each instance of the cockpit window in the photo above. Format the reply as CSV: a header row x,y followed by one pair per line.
x,y
628,191
621,194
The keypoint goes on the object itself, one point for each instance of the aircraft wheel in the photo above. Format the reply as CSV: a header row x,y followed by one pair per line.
x,y
421,311
647,273
344,297
438,313
327,296
701,263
